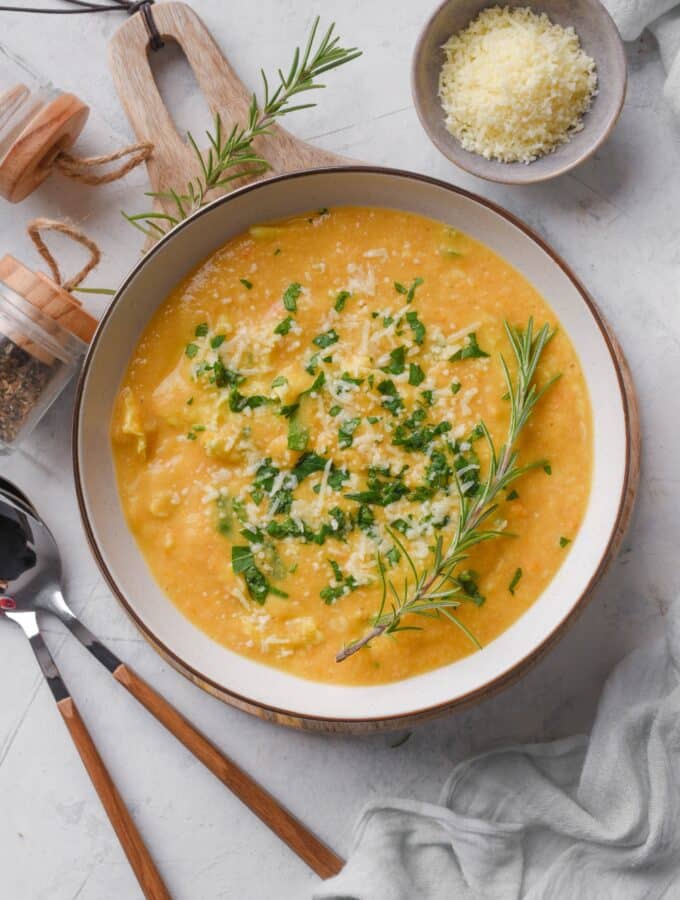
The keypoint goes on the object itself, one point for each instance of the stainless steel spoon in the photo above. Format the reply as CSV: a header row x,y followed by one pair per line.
x,y
38,588
27,562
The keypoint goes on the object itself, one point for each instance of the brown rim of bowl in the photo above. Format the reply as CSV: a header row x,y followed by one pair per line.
x,y
499,179
321,723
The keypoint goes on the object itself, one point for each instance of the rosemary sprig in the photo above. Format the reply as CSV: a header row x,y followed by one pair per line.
x,y
437,590
231,156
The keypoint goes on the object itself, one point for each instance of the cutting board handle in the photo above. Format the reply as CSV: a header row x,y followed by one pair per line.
x,y
173,161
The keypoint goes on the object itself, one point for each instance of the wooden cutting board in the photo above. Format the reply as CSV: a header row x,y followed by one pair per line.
x,y
173,161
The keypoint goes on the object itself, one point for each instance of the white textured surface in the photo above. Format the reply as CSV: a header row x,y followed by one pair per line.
x,y
615,220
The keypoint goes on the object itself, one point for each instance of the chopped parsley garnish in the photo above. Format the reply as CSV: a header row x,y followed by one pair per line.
x,y
201,330
467,581
248,285
416,325
455,387
346,432
416,375
380,491
298,435
392,400
513,495
565,541
191,350
191,436
313,364
326,338
217,341
190,401
335,411
284,326
413,436
410,292
238,402
336,478
340,300
342,584
279,381
290,296
547,468
428,397
515,581
471,350
397,362
400,525
365,518
393,556
308,464
243,563
350,379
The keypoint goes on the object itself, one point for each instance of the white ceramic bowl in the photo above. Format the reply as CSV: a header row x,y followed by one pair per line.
x,y
269,692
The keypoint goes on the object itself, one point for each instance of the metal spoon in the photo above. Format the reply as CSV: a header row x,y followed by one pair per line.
x,y
39,589
26,564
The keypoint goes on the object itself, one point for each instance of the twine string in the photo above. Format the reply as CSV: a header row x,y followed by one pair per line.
x,y
34,230
78,167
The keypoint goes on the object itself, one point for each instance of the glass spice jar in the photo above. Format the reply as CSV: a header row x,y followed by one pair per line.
x,y
37,121
37,360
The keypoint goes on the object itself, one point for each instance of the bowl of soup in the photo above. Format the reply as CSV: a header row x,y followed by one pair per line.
x,y
352,447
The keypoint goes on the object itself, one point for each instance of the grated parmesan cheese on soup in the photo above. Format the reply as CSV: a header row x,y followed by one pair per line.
x,y
514,85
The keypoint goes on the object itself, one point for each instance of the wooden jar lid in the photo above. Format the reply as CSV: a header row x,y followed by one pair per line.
x,y
49,300
28,161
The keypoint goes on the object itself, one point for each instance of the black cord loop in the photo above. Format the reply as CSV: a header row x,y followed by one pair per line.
x,y
88,6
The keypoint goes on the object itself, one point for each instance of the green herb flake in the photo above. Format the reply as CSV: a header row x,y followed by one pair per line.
x,y
409,292
341,300
190,401
284,326
335,411
248,285
326,339
428,397
416,375
471,350
290,296
298,435
416,325
191,350
455,387
346,432
397,362
513,495
201,330
547,468
191,436
515,581
279,381
217,341
565,541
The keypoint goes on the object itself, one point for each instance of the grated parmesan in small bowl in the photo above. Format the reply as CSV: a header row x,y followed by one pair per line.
x,y
514,86
500,87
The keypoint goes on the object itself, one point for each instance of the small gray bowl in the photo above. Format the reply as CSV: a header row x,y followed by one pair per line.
x,y
599,38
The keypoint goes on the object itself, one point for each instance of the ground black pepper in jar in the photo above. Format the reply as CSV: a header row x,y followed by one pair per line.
x,y
43,337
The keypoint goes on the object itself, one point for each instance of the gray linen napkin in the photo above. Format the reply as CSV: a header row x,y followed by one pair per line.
x,y
585,818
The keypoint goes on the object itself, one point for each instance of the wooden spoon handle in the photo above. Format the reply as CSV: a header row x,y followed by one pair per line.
x,y
308,847
138,856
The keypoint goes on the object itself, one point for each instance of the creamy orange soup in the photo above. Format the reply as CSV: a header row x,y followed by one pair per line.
x,y
301,412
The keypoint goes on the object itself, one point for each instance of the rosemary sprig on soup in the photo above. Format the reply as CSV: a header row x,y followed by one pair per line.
x,y
354,430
